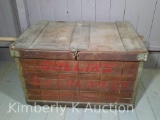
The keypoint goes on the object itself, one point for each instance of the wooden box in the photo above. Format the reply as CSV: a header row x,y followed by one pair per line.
x,y
65,62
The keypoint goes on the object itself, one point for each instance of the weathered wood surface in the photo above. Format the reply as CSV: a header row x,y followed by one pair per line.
x,y
105,37
130,38
81,35
30,35
84,81
56,36
84,40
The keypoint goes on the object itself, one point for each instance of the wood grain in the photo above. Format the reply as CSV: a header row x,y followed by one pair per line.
x,y
81,36
105,37
56,36
130,38
30,35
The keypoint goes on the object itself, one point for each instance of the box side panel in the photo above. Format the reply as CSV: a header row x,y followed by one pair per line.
x,y
79,81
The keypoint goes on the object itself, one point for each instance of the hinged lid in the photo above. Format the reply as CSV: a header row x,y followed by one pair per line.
x,y
81,41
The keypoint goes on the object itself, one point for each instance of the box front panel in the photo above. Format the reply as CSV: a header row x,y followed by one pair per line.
x,y
79,81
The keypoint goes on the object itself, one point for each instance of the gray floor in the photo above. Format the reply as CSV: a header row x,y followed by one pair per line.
x,y
148,106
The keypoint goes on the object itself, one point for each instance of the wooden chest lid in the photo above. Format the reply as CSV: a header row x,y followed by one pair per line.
x,y
83,40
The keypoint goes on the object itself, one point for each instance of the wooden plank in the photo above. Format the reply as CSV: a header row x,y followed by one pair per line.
x,y
154,36
9,18
58,55
81,36
3,28
102,10
117,10
145,18
74,10
47,9
61,14
34,11
88,10
56,36
132,12
110,56
22,12
29,36
105,37
130,39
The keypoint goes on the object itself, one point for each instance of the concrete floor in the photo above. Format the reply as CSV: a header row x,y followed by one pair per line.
x,y
11,94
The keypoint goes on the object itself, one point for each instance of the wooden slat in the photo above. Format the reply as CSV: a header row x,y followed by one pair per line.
x,y
81,36
58,55
130,39
30,35
105,37
56,36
